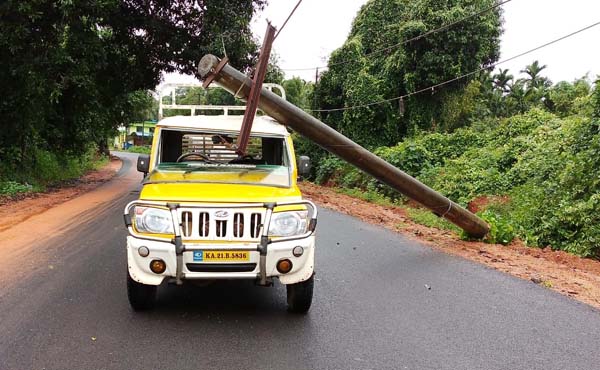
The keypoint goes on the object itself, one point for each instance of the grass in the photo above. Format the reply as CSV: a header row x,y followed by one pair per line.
x,y
12,188
427,218
367,195
418,215
99,162
50,170
139,149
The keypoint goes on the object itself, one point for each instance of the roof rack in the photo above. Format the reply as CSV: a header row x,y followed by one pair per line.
x,y
170,90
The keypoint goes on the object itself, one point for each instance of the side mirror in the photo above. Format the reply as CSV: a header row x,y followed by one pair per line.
x,y
304,166
143,163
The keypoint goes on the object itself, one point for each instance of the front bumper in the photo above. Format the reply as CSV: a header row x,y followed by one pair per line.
x,y
178,255
139,267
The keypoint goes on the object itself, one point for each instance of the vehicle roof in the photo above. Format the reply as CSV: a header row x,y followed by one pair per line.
x,y
261,124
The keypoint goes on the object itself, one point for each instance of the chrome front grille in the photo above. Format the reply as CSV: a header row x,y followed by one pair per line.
x,y
186,223
255,223
238,225
221,224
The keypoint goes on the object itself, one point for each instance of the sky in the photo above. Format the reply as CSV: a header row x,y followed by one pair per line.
x,y
320,26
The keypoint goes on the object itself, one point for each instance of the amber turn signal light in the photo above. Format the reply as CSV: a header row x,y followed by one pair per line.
x,y
158,266
284,266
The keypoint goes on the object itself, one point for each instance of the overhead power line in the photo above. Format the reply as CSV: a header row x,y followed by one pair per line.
x,y
433,87
418,37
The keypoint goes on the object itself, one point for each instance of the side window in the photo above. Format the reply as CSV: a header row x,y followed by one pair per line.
x,y
272,151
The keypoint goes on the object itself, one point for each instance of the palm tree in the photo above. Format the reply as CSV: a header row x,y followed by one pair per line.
x,y
516,97
501,80
533,79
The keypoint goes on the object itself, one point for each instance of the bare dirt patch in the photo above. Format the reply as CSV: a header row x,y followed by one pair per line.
x,y
557,270
14,210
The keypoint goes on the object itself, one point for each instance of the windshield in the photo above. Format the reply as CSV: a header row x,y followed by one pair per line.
x,y
207,157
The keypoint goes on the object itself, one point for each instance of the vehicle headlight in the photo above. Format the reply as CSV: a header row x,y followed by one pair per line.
x,y
288,223
153,220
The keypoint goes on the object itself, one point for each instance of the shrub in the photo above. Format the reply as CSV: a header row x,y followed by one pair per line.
x,y
328,167
139,149
546,168
13,187
501,229
428,218
48,168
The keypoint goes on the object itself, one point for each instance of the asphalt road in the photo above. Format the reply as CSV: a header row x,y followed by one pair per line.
x,y
372,310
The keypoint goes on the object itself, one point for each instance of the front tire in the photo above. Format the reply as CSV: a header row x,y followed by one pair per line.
x,y
141,296
299,295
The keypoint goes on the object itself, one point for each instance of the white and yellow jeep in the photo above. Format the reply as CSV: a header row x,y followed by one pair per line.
x,y
204,213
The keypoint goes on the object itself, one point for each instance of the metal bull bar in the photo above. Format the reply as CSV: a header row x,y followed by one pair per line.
x,y
180,247
308,126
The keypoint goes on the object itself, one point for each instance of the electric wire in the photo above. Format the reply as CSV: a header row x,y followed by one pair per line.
x,y
433,87
418,37
287,19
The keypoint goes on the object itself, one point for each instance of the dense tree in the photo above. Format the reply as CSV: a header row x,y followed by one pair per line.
x,y
298,92
596,102
142,106
69,67
567,98
377,71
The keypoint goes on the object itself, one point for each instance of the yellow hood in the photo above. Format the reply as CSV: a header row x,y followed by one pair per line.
x,y
222,187
227,193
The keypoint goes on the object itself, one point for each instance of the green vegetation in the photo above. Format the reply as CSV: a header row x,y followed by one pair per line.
x,y
425,217
411,66
524,150
52,169
501,229
368,195
139,149
73,71
545,165
13,187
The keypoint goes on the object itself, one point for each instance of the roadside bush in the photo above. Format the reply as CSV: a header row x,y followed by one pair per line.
x,y
501,229
13,187
545,167
46,168
330,167
139,149
444,146
410,156
468,176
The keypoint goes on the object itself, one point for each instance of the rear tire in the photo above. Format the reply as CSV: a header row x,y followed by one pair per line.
x,y
299,295
141,296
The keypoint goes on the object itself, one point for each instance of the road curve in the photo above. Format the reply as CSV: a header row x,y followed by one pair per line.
x,y
381,302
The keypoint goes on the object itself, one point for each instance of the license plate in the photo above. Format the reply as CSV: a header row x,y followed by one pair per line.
x,y
221,256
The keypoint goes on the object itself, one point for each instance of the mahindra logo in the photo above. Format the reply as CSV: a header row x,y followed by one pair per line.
x,y
221,214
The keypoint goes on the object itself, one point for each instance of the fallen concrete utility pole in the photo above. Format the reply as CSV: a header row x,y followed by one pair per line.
x,y
308,126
